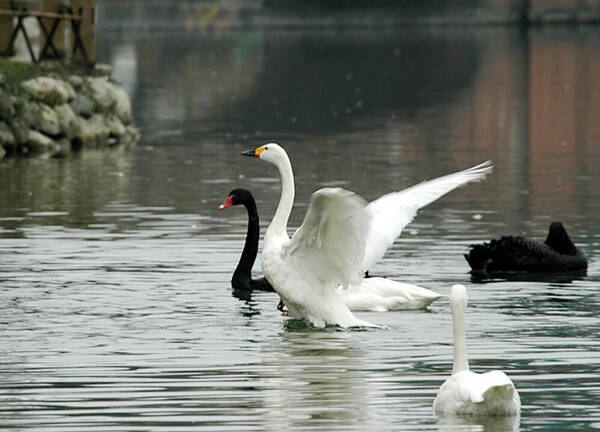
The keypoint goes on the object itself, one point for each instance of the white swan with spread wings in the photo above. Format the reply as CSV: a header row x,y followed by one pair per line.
x,y
340,238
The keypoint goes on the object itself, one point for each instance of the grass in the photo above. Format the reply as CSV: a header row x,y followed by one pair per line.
x,y
15,72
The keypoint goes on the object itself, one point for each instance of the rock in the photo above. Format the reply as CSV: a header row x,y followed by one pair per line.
x,y
91,132
98,123
20,130
41,117
49,90
82,105
132,134
63,147
38,142
7,138
66,120
116,128
122,105
53,115
76,81
83,133
101,94
103,69
7,108
109,97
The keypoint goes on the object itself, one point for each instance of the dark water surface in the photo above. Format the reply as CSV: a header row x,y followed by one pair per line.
x,y
116,311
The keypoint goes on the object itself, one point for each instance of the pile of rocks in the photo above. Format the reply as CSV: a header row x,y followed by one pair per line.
x,y
52,115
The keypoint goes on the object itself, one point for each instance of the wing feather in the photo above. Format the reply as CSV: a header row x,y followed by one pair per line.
x,y
393,211
331,241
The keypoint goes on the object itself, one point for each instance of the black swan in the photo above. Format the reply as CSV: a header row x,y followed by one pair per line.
x,y
242,278
521,254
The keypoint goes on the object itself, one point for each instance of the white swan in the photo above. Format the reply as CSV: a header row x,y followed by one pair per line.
x,y
373,294
470,393
377,294
304,279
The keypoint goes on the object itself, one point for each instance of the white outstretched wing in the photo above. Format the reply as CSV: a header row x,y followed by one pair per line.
x,y
393,211
331,241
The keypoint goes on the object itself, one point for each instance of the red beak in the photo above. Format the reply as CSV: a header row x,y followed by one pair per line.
x,y
226,203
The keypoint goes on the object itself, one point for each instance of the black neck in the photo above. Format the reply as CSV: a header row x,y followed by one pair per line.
x,y
559,240
242,274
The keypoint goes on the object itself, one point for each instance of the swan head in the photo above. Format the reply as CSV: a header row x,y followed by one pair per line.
x,y
458,296
269,152
237,197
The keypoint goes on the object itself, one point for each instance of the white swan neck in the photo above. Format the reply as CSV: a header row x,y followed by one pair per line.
x,y
279,223
461,362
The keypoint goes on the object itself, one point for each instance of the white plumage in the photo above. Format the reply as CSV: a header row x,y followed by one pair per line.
x,y
325,252
393,211
379,294
470,393
340,238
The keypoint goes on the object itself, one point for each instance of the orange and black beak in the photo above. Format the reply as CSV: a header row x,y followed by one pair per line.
x,y
255,152
226,203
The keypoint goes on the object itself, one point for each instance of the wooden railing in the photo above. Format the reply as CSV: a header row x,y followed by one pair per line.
x,y
49,22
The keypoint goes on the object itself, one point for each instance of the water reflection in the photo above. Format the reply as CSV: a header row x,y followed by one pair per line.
x,y
489,424
320,92
317,381
558,277
66,192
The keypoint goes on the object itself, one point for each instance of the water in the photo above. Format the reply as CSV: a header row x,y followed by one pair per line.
x,y
116,311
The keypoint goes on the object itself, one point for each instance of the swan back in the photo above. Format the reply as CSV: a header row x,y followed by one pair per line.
x,y
471,394
380,294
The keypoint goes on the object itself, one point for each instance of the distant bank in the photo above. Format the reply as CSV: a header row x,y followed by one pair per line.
x,y
193,14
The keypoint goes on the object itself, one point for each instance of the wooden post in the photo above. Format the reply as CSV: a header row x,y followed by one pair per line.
x,y
58,40
7,24
88,28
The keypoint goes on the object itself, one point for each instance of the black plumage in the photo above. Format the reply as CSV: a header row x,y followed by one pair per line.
x,y
242,278
515,253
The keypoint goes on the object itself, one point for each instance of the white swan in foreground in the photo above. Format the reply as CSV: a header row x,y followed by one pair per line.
x,y
340,238
470,393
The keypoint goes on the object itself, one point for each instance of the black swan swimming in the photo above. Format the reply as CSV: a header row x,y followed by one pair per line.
x,y
242,278
521,254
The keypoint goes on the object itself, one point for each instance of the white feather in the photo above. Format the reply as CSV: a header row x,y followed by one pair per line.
x,y
332,238
379,294
393,211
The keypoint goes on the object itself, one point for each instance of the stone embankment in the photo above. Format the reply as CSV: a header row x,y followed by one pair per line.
x,y
54,115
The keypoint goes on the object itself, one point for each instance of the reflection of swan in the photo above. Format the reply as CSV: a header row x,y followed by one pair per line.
x,y
474,424
373,294
339,239
314,379
509,253
470,393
